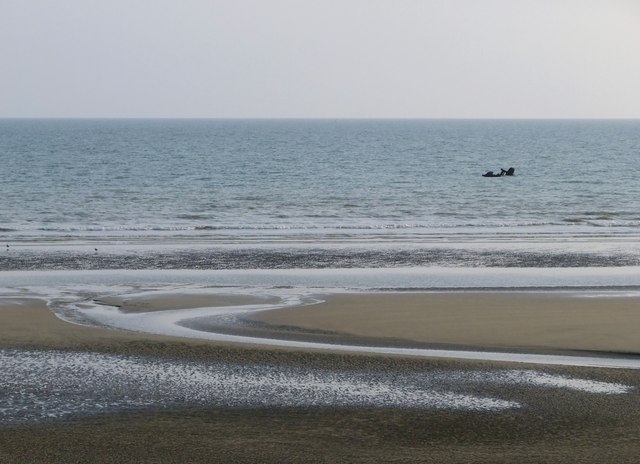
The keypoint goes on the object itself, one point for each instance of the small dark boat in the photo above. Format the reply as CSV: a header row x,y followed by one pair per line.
x,y
503,172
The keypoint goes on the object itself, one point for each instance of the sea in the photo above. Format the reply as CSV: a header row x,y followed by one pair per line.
x,y
212,194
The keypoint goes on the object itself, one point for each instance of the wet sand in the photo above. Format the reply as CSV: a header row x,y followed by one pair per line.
x,y
556,425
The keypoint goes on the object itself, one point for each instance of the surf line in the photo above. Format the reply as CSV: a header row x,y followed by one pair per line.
x,y
182,323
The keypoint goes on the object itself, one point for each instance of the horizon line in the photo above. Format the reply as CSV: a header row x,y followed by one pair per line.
x,y
323,118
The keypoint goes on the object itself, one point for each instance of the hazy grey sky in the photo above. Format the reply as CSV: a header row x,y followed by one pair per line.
x,y
320,58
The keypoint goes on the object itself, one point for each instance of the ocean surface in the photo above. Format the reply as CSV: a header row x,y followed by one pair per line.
x,y
298,194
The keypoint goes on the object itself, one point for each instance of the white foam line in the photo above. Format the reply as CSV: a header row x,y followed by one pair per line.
x,y
171,323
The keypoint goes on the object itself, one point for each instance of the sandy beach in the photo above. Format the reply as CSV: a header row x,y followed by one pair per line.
x,y
551,424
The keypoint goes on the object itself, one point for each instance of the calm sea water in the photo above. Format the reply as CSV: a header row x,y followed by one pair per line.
x,y
227,193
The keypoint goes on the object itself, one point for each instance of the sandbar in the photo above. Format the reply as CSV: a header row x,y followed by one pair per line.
x,y
521,321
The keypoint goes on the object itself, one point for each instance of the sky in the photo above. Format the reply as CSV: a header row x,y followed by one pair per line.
x,y
320,58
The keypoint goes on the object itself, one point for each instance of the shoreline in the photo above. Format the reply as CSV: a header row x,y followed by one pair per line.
x,y
329,250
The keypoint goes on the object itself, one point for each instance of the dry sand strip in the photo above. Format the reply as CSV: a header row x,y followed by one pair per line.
x,y
521,321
